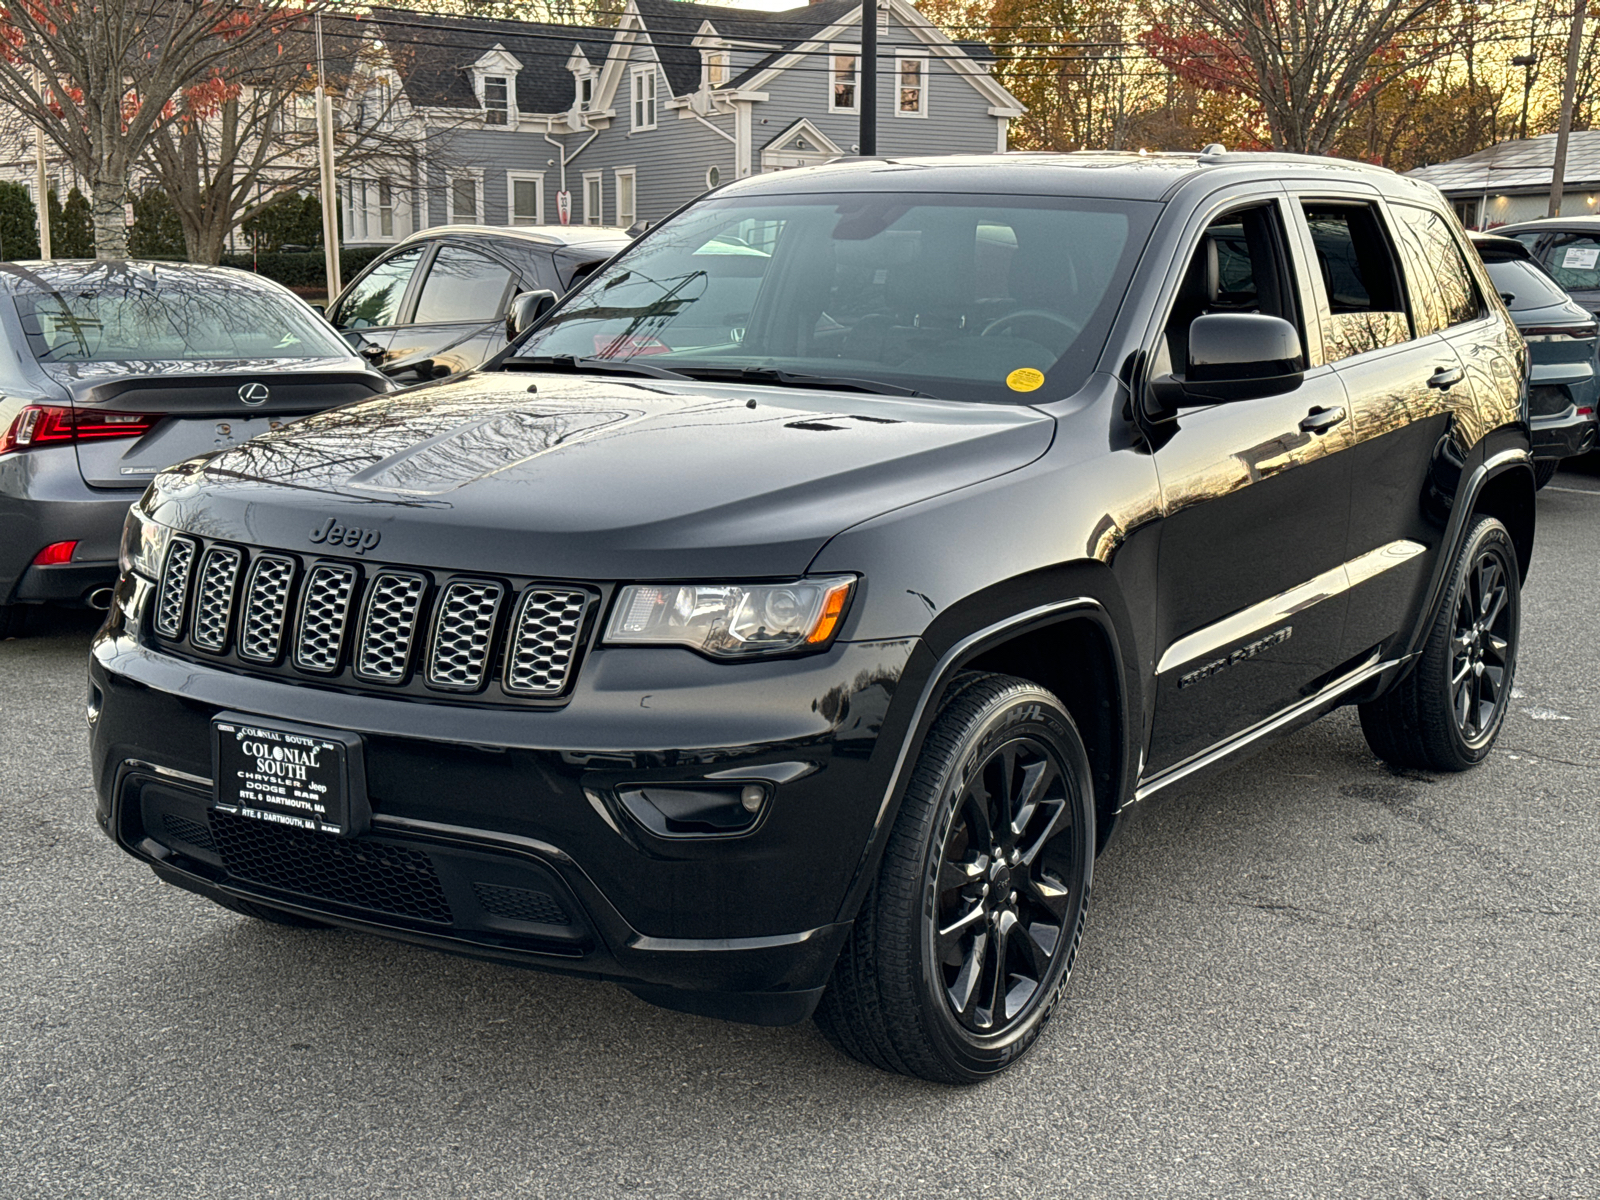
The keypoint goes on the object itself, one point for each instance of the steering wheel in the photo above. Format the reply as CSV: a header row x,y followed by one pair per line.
x,y
1071,326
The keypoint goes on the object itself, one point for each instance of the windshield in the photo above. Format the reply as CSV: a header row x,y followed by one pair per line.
x,y
181,318
1523,285
965,297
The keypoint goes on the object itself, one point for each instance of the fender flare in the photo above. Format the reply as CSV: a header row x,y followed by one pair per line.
x,y
1100,602
1494,466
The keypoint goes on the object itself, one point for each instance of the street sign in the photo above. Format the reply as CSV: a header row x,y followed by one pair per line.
x,y
564,206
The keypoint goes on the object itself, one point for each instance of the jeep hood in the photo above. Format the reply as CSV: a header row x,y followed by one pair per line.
x,y
595,478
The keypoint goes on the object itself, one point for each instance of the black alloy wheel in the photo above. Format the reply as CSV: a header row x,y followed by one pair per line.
x,y
1001,898
1447,712
966,939
1480,662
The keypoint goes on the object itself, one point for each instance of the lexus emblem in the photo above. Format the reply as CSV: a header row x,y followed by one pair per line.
x,y
254,393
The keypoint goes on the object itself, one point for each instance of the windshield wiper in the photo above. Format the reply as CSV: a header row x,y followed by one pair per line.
x,y
567,362
792,379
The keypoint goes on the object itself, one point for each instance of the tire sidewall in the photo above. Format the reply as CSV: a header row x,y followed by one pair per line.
x,y
1488,533
1020,711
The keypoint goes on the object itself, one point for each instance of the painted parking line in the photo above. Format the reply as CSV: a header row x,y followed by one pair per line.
x,y
1572,491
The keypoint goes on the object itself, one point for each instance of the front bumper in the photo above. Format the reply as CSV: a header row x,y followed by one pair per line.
x,y
497,833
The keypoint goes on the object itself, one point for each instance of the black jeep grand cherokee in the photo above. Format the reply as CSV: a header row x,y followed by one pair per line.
x,y
782,624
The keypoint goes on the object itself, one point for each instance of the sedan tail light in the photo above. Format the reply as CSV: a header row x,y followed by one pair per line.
x,y
54,425
1572,331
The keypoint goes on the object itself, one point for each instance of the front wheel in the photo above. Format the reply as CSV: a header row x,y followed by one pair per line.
x,y
1446,714
967,937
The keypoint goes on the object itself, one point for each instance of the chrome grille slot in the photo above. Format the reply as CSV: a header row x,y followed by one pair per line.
x,y
213,597
324,609
266,603
388,626
463,627
544,641
174,588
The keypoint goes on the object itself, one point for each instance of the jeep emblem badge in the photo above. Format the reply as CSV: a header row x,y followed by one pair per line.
x,y
254,393
331,533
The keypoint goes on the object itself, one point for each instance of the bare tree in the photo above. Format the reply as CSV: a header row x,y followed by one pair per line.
x,y
1310,63
102,77
219,167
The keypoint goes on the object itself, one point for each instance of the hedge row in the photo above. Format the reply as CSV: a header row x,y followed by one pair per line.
x,y
302,270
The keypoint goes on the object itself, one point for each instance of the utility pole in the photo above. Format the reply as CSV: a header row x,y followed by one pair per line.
x,y
42,187
330,202
1558,170
869,78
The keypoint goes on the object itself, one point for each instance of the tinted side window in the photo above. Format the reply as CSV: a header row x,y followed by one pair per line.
x,y
375,300
1574,260
462,285
1457,297
1360,280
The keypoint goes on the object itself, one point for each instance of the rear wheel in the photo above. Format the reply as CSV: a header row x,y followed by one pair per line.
x,y
1544,470
12,619
1446,714
967,937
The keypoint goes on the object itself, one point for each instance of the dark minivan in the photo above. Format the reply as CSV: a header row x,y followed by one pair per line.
x,y
784,623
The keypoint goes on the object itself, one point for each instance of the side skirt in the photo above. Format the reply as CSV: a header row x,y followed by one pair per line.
x,y
1259,734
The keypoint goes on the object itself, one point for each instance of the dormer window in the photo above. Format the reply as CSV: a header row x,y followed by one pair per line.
x,y
585,93
494,78
496,100
717,63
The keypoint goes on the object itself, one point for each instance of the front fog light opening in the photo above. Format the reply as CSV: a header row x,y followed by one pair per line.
x,y
696,810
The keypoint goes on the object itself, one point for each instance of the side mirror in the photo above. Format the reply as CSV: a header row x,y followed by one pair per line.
x,y
525,311
1235,356
370,351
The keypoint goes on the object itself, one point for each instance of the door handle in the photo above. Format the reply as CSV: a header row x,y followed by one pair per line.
x,y
1320,420
1446,377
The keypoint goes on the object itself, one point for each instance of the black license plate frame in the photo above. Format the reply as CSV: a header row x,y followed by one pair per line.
x,y
284,773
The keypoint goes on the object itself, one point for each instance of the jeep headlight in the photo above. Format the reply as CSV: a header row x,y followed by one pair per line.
x,y
731,620
144,545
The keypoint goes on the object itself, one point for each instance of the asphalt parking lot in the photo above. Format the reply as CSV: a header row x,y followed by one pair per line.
x,y
1307,976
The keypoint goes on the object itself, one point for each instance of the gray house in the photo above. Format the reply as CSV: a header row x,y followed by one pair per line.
x,y
1510,181
632,122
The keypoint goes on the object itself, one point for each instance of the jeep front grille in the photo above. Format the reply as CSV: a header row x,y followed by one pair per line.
x,y
388,626
213,603
461,634
373,627
544,638
174,594
323,612
266,603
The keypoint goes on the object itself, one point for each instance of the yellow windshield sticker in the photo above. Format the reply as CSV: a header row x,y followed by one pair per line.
x,y
1025,379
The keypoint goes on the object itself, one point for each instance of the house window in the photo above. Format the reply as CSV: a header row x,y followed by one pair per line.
x,y
644,98
585,92
713,177
496,100
463,199
716,68
625,197
385,209
525,198
911,78
305,112
844,77
593,199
